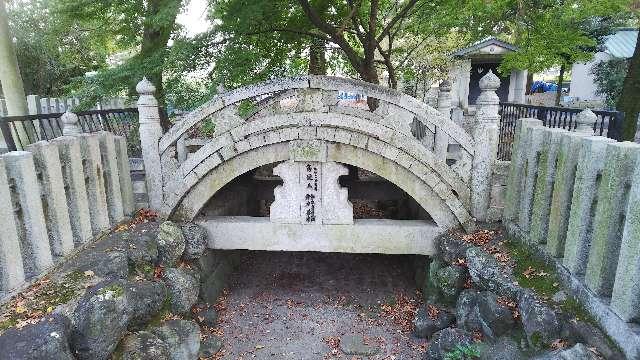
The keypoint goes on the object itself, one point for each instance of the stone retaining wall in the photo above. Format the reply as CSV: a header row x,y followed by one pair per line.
x,y
57,196
577,198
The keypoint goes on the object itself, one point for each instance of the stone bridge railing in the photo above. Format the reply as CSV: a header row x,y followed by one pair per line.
x,y
58,195
421,139
576,197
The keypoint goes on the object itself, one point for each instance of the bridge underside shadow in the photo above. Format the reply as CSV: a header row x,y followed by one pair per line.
x,y
388,236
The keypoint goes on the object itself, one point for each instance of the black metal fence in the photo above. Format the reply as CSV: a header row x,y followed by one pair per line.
x,y
609,123
19,131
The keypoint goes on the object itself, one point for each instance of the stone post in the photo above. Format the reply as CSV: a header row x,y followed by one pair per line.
x,y
591,160
27,203
75,187
124,172
49,174
111,176
585,121
444,107
150,134
485,134
625,299
608,222
11,271
70,125
94,180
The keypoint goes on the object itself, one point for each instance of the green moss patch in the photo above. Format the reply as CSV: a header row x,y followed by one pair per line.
x,y
575,309
40,299
531,272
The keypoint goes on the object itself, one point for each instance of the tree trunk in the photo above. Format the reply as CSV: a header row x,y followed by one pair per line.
x,y
10,78
317,59
529,83
160,19
560,81
628,101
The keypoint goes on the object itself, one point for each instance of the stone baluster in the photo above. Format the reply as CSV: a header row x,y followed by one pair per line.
x,y
585,122
11,270
111,176
75,188
485,134
150,134
50,178
95,182
27,204
70,126
444,107
124,173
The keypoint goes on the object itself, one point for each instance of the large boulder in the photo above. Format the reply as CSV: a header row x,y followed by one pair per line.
x,y
100,320
445,341
144,345
171,244
183,285
482,311
426,323
538,320
503,348
142,249
496,318
467,312
181,337
452,247
578,331
46,340
144,300
488,274
195,237
449,282
578,352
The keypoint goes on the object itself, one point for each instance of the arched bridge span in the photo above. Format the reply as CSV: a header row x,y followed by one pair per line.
x,y
303,120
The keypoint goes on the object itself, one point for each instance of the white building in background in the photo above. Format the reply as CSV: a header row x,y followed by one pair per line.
x,y
619,45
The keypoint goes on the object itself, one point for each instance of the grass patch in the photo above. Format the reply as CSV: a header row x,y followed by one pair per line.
x,y
531,272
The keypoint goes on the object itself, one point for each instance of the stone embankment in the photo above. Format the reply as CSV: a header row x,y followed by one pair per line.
x,y
149,290
488,298
145,291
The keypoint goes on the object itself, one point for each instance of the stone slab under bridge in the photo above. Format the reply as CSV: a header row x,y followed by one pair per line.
x,y
363,236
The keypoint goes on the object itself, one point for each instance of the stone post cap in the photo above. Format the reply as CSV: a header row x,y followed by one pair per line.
x,y
145,87
445,85
490,81
70,125
585,121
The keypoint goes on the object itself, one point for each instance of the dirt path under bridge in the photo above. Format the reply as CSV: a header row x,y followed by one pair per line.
x,y
284,305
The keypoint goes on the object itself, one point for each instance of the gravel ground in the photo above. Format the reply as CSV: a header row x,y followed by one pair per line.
x,y
285,305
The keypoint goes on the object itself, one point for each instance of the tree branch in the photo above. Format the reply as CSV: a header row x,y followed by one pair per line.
x,y
410,4
338,39
354,10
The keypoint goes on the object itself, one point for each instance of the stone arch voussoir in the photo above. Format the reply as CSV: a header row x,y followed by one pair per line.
x,y
217,164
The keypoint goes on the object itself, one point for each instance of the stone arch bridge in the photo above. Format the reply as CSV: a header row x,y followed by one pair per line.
x,y
302,124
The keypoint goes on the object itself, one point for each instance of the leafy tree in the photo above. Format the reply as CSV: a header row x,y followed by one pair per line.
x,y
609,78
363,38
139,28
49,54
553,33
